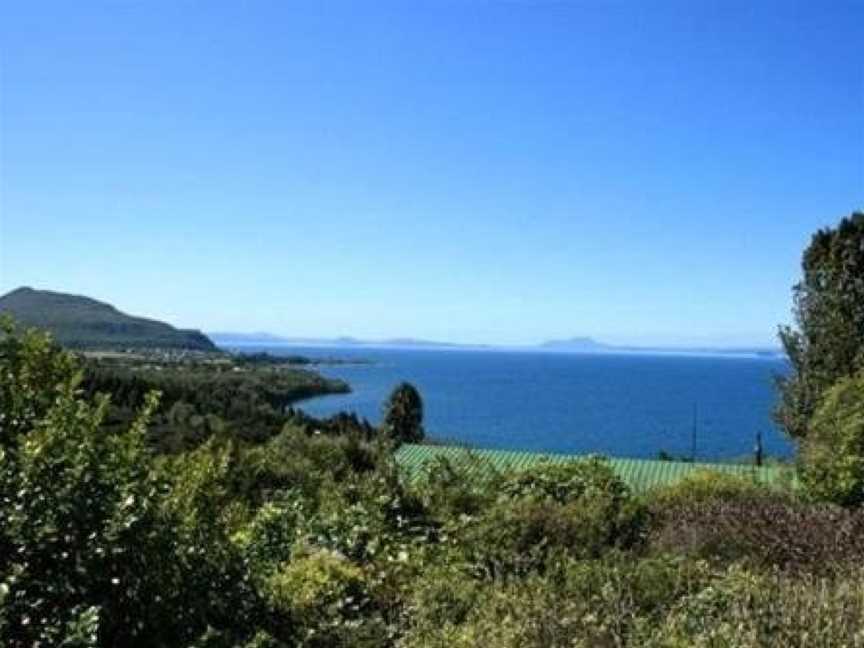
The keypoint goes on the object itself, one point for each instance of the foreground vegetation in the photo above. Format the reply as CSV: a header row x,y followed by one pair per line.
x,y
319,539
312,535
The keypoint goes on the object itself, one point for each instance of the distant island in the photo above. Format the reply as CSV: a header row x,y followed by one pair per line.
x,y
80,322
581,344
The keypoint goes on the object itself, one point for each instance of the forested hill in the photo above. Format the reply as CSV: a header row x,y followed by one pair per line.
x,y
84,323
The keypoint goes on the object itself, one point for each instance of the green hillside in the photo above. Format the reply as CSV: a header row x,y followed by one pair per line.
x,y
84,323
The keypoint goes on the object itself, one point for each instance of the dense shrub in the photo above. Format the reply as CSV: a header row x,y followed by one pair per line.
x,y
642,603
86,539
35,372
96,547
327,601
566,482
579,509
294,460
833,453
444,597
748,609
515,538
579,603
464,484
370,517
761,528
703,486
270,537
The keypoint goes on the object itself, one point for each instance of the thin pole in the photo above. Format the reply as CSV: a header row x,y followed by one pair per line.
x,y
693,433
758,448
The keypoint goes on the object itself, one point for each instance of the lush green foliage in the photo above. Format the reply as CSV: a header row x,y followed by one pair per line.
x,y
34,374
833,452
822,401
84,543
316,536
649,602
828,342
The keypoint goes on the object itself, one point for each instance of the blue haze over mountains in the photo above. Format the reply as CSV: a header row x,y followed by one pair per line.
x,y
569,345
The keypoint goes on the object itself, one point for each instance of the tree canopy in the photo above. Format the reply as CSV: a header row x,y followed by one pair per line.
x,y
403,414
827,341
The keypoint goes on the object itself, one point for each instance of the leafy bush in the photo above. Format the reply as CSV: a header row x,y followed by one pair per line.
x,y
743,608
369,517
464,484
566,482
269,539
444,597
35,372
654,603
82,523
703,486
95,552
307,463
205,501
326,598
833,452
580,603
579,509
526,536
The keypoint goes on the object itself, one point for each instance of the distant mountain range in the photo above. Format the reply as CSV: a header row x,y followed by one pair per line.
x,y
84,323
231,339
589,345
569,345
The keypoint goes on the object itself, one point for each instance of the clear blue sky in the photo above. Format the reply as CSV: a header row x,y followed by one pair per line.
x,y
643,172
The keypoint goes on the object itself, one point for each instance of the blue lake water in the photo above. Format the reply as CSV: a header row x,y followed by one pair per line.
x,y
618,404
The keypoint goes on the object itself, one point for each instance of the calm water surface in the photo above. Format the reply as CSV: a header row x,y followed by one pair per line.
x,y
619,404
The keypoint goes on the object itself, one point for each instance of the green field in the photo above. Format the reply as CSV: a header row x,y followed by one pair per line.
x,y
639,474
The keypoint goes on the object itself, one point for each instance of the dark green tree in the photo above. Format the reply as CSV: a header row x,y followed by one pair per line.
x,y
827,342
403,415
